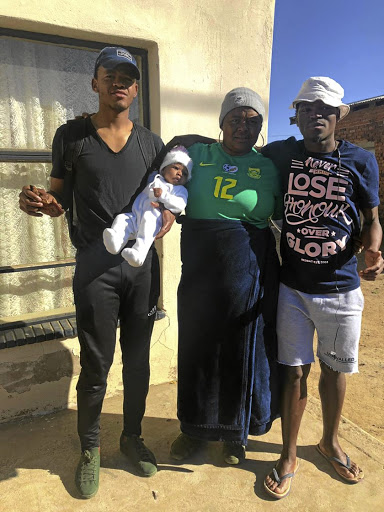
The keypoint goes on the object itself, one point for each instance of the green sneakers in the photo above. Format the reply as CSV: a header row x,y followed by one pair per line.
x,y
87,473
88,469
140,456
184,446
234,453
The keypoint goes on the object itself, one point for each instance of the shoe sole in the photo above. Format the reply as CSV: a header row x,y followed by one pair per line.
x,y
177,457
350,481
88,496
233,462
145,475
280,496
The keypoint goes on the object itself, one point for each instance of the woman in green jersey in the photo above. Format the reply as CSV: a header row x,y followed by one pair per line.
x,y
228,382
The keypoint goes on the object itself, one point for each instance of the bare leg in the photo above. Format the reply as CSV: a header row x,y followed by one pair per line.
x,y
293,405
332,386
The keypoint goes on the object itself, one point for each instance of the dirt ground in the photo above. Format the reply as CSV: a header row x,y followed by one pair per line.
x,y
364,402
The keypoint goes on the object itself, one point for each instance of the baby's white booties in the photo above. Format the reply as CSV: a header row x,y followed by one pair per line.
x,y
113,243
133,256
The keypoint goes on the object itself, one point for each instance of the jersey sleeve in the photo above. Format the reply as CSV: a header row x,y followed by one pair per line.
x,y
58,168
369,184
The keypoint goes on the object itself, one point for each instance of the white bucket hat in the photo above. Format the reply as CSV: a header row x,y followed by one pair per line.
x,y
325,89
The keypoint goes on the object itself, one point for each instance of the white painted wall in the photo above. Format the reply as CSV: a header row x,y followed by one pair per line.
x,y
198,51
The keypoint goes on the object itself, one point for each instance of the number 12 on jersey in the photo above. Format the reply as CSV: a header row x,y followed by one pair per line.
x,y
221,190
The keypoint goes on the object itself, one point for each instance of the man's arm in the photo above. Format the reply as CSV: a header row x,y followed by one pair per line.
x,y
30,202
371,238
188,140
168,219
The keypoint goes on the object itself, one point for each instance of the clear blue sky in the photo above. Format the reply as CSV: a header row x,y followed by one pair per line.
x,y
343,39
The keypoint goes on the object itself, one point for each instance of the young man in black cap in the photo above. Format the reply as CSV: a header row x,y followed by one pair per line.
x,y
327,184
111,168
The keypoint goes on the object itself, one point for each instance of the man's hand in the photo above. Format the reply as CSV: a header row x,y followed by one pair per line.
x,y
168,220
36,201
30,202
374,263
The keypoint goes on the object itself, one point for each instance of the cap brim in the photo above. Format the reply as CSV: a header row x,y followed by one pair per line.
x,y
113,63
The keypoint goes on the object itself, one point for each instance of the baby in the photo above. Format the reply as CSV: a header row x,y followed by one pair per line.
x,y
144,222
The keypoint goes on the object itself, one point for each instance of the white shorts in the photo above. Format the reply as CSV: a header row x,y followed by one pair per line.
x,y
336,317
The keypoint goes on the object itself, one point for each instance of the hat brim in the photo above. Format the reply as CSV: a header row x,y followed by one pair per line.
x,y
343,108
111,63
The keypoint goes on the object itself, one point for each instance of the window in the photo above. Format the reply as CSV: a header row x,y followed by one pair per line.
x,y
44,81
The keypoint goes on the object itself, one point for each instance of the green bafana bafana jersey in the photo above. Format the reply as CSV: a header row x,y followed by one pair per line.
x,y
243,188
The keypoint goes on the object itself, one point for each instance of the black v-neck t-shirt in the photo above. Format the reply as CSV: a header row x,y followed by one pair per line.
x,y
104,181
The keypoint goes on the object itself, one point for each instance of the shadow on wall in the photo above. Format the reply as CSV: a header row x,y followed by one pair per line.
x,y
35,379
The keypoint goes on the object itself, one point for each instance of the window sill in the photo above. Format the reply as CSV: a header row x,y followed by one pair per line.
x,y
57,324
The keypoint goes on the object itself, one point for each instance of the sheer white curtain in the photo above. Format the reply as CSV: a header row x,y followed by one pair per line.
x,y
41,86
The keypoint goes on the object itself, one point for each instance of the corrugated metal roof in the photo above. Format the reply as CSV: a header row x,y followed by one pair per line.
x,y
368,100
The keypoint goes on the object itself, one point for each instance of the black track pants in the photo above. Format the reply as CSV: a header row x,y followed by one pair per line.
x,y
106,288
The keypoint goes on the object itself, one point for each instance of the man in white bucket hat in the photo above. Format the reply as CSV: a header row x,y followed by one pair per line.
x,y
327,183
324,89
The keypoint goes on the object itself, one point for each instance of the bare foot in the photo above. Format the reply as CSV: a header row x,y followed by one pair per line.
x,y
279,487
348,470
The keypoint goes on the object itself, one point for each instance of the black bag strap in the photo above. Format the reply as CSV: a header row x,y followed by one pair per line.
x,y
146,145
73,146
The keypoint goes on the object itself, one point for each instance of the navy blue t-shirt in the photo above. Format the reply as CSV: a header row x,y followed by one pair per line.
x,y
323,196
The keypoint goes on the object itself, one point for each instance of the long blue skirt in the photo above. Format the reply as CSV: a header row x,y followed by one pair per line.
x,y
228,378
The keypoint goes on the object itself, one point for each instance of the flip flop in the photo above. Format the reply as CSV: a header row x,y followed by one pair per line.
x,y
348,466
278,479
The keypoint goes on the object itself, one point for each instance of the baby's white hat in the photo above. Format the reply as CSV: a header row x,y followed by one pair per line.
x,y
178,155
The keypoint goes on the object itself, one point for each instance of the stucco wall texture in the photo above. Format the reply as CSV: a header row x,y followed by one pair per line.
x,y
197,52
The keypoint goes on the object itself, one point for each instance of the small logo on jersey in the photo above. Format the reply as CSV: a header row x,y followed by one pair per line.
x,y
202,164
230,169
255,173
153,311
